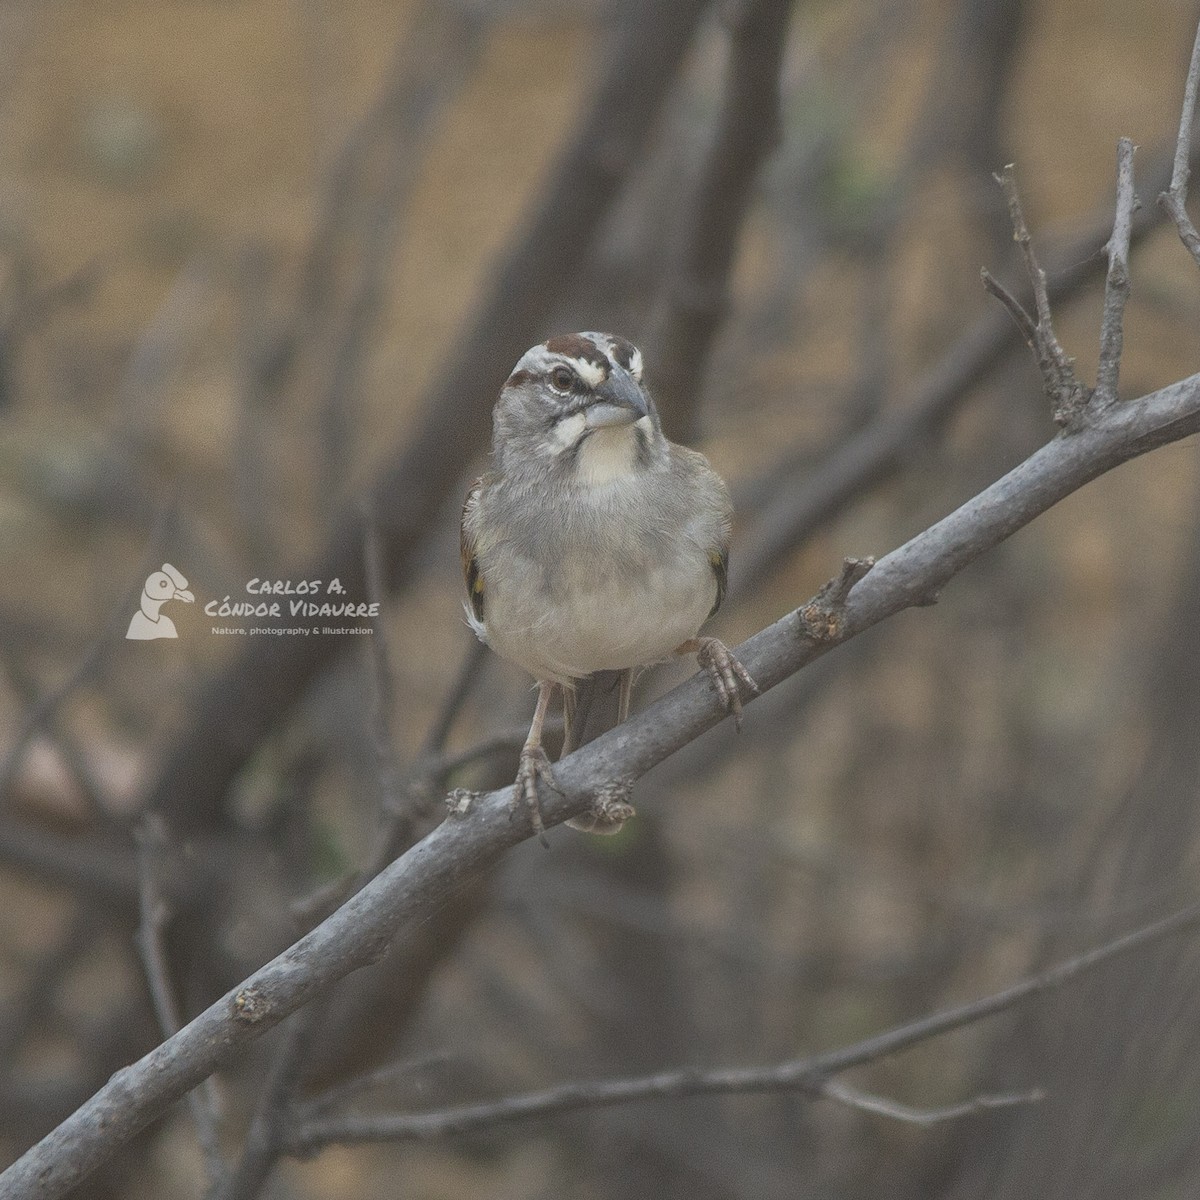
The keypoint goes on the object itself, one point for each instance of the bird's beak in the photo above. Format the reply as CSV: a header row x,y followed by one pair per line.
x,y
184,594
619,401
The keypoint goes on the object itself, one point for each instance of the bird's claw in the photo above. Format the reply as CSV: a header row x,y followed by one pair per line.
x,y
728,675
534,765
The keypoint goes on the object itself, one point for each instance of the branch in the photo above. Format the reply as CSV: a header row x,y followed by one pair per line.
x,y
1068,397
1174,199
812,1075
155,915
264,1141
695,298
313,1135
1116,283
876,453
415,885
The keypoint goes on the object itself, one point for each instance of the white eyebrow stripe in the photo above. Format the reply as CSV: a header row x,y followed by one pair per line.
x,y
635,364
591,374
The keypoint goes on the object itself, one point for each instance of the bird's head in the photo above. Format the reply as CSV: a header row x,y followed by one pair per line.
x,y
168,584
576,406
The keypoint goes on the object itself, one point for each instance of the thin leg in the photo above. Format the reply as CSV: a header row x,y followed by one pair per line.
x,y
728,675
568,720
626,694
534,764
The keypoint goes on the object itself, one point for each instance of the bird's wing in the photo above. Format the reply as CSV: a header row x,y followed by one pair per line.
x,y
466,546
720,564
705,493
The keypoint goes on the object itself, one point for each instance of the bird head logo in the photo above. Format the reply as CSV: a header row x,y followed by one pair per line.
x,y
149,622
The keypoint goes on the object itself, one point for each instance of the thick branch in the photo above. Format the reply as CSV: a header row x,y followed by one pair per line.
x,y
427,875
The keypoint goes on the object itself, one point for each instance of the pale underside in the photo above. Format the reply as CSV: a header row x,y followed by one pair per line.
x,y
629,584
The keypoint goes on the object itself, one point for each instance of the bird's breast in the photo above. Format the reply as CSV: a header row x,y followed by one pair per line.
x,y
581,611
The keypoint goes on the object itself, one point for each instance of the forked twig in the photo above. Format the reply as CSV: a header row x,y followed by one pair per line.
x,y
1068,396
1174,199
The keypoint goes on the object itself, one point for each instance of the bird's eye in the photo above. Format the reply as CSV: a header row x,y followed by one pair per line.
x,y
562,379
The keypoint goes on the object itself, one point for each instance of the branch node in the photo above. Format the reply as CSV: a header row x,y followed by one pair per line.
x,y
459,802
822,618
250,1006
609,810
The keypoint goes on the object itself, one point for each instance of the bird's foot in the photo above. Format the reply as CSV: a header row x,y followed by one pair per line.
x,y
728,675
534,765
609,812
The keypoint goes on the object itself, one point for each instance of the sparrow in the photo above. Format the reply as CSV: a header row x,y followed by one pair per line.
x,y
593,543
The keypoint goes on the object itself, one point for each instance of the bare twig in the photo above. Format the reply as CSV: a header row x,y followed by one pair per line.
x,y
884,1107
155,915
1116,284
1174,199
874,454
389,1073
310,1136
1068,396
812,1075
415,885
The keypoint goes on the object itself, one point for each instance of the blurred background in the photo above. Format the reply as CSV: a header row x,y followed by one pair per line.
x,y
262,258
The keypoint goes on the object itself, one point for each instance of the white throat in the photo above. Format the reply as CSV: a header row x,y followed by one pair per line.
x,y
609,454
150,606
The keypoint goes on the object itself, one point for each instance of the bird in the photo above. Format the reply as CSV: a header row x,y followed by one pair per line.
x,y
148,623
592,543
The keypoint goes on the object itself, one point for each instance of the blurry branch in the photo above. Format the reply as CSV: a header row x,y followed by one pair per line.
x,y
812,1075
155,912
99,872
313,1135
42,718
383,691
880,1106
965,100
43,709
1174,199
416,885
263,1141
695,297
36,997
876,452
433,64
237,706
